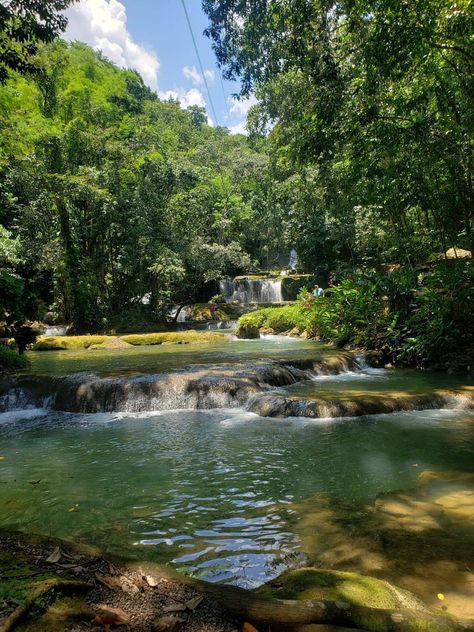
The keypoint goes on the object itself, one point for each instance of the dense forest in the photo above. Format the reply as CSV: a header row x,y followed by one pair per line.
x,y
115,205
110,195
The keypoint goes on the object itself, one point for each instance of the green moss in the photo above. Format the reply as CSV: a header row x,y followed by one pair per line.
x,y
277,319
58,343
179,337
17,581
55,343
201,311
312,583
11,361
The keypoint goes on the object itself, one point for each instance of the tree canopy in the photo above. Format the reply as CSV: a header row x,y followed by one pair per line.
x,y
370,104
23,24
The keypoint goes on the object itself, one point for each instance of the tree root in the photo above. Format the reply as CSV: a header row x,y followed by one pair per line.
x,y
49,585
283,614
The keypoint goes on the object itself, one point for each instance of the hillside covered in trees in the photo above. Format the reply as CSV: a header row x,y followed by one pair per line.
x,y
109,194
115,205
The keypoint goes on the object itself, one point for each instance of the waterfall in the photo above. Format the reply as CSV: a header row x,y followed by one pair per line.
x,y
251,290
56,330
183,316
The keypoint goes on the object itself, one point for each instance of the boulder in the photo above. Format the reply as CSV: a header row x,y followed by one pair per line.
x,y
247,331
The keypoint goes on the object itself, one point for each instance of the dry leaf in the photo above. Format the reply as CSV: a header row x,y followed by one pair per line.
x,y
128,587
192,604
55,556
113,583
151,581
118,613
168,624
248,627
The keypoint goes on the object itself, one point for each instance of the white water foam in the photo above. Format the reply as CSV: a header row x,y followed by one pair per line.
x,y
23,414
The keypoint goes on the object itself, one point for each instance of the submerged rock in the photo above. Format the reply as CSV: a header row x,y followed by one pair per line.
x,y
196,387
352,588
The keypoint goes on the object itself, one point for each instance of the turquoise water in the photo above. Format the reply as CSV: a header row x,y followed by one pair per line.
x,y
213,493
157,358
216,493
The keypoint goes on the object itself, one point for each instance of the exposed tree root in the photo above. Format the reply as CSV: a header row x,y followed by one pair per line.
x,y
49,585
283,614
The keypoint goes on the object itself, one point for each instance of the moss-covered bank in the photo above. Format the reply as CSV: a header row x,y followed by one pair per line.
x,y
11,360
57,343
140,595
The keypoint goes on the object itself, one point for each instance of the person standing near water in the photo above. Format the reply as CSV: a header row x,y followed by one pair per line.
x,y
213,310
318,291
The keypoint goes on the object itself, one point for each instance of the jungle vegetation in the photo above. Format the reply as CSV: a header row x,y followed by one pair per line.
x,y
115,205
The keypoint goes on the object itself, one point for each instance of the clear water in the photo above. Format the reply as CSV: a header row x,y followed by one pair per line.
x,y
213,493
153,359
370,381
218,493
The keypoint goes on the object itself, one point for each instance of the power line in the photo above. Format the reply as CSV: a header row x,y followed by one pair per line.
x,y
223,91
199,60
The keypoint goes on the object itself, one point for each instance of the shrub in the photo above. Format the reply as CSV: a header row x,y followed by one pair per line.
x,y
11,361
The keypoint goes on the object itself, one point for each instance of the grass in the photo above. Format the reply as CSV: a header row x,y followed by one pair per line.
x,y
59,343
278,320
11,361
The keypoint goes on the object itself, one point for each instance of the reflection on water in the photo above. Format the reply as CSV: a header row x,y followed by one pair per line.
x,y
217,493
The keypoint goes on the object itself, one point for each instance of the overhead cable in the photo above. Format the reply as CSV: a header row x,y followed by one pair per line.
x,y
199,61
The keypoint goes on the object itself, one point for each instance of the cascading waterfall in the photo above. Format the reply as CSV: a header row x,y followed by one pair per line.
x,y
56,330
251,290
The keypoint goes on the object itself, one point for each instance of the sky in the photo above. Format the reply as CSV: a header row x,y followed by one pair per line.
x,y
153,37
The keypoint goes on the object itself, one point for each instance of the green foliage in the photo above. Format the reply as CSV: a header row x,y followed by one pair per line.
x,y
412,319
371,110
9,248
23,24
117,198
11,361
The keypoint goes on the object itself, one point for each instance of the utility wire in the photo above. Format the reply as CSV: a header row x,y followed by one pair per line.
x,y
223,91
199,60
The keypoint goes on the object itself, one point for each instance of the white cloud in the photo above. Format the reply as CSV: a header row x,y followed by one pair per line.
x,y
185,97
242,106
195,76
239,128
103,25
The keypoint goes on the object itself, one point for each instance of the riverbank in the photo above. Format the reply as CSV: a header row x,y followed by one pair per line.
x,y
411,317
55,586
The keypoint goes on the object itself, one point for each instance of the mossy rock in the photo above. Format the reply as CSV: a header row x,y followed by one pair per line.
x,y
362,590
112,343
60,343
247,331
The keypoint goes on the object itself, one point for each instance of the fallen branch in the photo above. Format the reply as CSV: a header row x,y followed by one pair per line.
x,y
66,585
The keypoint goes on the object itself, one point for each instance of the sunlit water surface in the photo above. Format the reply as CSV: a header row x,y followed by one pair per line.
x,y
157,358
214,493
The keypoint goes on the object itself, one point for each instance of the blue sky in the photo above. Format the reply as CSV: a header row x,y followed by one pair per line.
x,y
153,37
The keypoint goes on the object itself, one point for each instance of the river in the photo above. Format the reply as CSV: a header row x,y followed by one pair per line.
x,y
223,493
